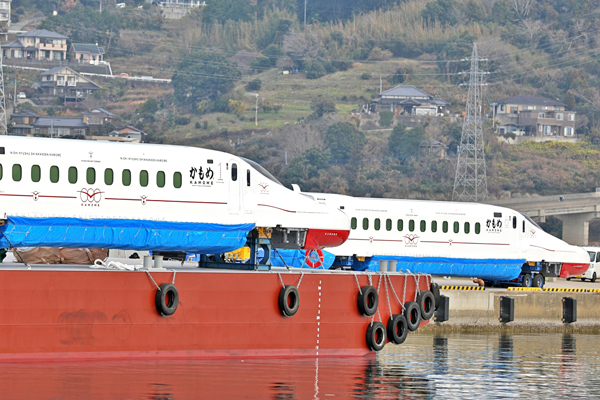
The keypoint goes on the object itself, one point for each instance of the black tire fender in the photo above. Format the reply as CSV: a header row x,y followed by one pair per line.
x,y
397,329
166,299
426,302
368,300
376,336
435,289
412,313
289,300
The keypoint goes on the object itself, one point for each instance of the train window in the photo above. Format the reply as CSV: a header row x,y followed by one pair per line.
x,y
54,174
400,225
247,177
467,227
411,225
160,179
388,224
177,180
234,172
365,223
36,173
109,176
423,226
353,223
456,227
144,178
445,226
514,222
90,176
0,171
377,224
72,175
434,226
16,172
523,226
477,228
126,177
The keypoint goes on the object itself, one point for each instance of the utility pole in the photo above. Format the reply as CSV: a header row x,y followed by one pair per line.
x,y
470,183
256,110
3,125
304,14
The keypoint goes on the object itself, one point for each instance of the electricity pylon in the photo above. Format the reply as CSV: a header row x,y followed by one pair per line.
x,y
470,183
3,125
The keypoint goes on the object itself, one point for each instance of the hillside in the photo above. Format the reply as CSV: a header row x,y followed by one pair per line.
x,y
535,47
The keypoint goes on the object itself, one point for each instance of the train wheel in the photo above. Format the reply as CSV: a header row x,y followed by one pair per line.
x,y
538,281
376,336
526,280
412,313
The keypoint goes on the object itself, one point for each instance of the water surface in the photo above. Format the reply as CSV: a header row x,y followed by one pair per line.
x,y
452,366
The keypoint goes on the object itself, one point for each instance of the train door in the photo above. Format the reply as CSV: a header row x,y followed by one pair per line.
x,y
235,193
248,191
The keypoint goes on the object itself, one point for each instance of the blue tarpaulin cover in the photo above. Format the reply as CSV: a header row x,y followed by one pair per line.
x,y
123,234
488,269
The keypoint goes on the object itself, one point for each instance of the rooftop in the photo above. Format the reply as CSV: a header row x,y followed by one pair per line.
x,y
43,33
60,122
531,100
405,91
88,48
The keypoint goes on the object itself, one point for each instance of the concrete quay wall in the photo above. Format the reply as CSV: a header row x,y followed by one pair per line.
x,y
479,311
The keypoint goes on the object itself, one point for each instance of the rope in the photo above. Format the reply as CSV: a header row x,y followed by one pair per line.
x,y
281,280
152,279
282,260
387,294
417,290
99,264
357,284
394,291
300,281
378,286
174,272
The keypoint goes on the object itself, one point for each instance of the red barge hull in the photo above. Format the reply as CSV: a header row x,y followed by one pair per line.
x,y
74,313
569,270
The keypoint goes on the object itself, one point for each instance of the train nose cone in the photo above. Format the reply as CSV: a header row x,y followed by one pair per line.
x,y
320,238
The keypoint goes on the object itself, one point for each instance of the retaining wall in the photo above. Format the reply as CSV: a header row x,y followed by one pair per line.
x,y
475,311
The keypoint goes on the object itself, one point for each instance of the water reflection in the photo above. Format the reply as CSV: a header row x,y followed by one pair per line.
x,y
449,366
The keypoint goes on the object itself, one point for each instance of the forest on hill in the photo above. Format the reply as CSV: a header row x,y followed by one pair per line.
x,y
310,129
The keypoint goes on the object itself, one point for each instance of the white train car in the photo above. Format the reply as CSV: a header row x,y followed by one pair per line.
x,y
453,239
76,193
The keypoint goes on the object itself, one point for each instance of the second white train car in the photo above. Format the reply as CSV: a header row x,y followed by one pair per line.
x,y
453,239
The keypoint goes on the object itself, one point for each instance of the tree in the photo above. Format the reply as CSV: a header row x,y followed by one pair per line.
x,y
321,107
440,10
314,69
405,142
386,118
149,107
272,52
255,84
225,10
204,75
309,165
345,142
399,77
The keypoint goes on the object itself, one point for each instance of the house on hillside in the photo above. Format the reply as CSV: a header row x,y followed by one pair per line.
x,y
533,116
408,100
98,116
128,134
60,127
5,11
87,53
21,124
65,84
39,44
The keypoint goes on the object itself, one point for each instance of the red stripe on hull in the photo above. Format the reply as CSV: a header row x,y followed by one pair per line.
x,y
81,314
572,269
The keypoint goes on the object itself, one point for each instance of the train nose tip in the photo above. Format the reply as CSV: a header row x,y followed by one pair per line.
x,y
320,238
